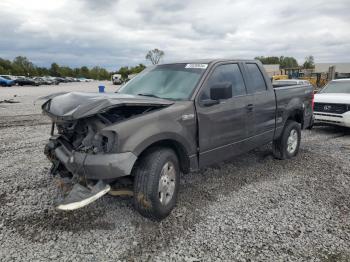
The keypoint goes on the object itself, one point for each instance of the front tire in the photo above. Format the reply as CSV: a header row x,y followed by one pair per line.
x,y
156,184
287,146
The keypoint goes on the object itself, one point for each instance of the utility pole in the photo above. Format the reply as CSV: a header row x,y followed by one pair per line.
x,y
331,73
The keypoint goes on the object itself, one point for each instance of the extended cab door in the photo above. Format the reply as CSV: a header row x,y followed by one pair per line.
x,y
261,124
222,127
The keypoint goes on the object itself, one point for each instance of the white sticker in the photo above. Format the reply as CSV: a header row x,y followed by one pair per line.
x,y
197,66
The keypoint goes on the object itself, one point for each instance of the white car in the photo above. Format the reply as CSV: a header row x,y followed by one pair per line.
x,y
332,103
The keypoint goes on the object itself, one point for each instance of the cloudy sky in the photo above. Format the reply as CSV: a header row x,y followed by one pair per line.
x,y
112,33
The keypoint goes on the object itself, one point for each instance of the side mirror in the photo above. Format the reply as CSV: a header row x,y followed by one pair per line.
x,y
220,91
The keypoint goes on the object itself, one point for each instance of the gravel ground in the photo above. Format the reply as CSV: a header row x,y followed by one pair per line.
x,y
252,208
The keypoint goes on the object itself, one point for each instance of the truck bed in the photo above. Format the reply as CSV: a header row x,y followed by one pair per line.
x,y
288,97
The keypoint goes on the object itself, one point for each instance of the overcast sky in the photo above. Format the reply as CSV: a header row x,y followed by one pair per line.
x,y
112,33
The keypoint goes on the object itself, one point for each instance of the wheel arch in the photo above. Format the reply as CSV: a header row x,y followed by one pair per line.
x,y
179,149
296,115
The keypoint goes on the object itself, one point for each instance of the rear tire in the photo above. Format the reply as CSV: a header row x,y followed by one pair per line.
x,y
287,146
156,184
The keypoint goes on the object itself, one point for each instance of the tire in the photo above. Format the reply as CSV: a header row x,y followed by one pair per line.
x,y
287,146
151,197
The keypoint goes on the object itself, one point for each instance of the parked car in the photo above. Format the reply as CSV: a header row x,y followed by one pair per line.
x,y
43,81
170,118
82,79
10,77
61,80
27,81
6,81
332,103
53,80
70,79
289,82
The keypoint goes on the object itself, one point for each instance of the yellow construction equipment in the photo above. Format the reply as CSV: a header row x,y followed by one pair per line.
x,y
279,77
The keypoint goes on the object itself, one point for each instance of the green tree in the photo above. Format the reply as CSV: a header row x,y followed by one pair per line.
x,y
43,71
6,66
288,62
137,69
154,55
65,71
283,61
124,72
76,72
309,62
84,72
22,66
55,70
271,60
99,73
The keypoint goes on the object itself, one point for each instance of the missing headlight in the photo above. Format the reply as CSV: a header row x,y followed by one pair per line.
x,y
104,142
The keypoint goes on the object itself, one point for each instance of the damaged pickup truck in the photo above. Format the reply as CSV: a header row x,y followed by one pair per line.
x,y
169,119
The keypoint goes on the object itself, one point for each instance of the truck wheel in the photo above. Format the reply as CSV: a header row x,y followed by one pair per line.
x,y
288,144
156,183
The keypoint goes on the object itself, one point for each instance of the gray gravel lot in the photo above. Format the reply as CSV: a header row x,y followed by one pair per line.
x,y
252,208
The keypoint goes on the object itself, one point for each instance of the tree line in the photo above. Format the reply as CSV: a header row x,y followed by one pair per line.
x,y
287,62
21,66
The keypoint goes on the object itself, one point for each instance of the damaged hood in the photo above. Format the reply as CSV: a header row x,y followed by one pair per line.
x,y
76,105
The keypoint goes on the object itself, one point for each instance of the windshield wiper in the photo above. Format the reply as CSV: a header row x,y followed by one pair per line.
x,y
150,95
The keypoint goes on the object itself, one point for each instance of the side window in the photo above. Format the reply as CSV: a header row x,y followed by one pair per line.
x,y
257,82
225,73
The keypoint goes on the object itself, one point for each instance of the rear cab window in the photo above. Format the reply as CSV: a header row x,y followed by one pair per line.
x,y
256,79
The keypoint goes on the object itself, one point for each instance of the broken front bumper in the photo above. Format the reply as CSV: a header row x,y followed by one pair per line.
x,y
91,166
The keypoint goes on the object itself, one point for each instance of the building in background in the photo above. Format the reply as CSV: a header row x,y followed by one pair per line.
x,y
342,70
272,70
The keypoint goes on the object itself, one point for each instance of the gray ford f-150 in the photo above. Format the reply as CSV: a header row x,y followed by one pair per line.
x,y
171,118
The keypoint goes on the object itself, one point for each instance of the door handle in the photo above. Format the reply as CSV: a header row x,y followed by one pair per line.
x,y
250,107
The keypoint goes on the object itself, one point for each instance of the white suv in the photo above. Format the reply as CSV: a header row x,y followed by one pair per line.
x,y
332,103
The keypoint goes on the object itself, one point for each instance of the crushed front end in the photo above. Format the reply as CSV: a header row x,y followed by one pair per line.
x,y
84,154
84,149
84,160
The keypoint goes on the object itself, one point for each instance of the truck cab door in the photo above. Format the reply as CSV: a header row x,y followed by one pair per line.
x,y
222,125
263,106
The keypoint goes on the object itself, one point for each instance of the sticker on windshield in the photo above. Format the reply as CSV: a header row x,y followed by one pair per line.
x,y
197,66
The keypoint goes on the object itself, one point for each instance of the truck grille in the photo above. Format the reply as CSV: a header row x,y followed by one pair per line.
x,y
331,108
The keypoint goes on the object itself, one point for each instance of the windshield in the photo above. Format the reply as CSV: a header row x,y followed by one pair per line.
x,y
6,77
173,81
337,87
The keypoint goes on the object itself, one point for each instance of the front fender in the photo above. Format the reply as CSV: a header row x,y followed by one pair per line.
x,y
136,134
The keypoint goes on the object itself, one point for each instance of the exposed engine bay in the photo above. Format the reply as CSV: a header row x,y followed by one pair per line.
x,y
87,135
